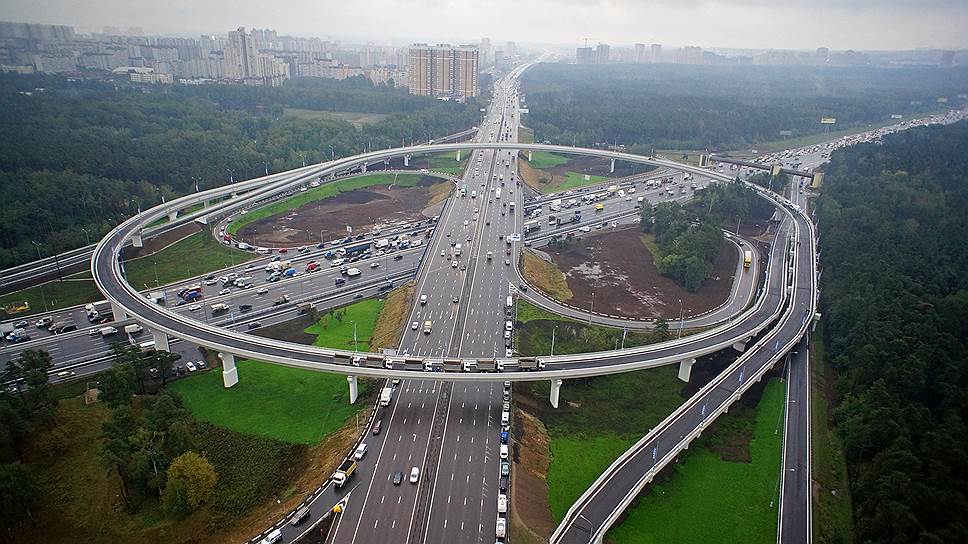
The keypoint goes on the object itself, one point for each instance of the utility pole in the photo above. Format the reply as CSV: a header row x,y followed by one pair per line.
x,y
680,319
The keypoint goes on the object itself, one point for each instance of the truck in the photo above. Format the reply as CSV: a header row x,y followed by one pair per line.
x,y
133,328
344,471
382,243
290,272
220,307
747,258
453,365
96,310
568,219
353,272
281,300
192,296
599,207
108,331
386,396
486,365
358,248
457,250
532,225
530,363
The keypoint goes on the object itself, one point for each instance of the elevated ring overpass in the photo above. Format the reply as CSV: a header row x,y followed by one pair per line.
x,y
108,274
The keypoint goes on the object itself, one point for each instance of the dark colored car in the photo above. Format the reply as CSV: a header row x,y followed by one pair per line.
x,y
397,477
245,307
254,325
300,516
340,281
503,486
397,257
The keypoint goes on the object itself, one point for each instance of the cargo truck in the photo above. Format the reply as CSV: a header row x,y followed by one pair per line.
x,y
344,471
219,308
386,396
747,259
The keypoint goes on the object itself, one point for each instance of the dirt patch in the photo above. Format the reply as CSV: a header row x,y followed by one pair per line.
x,y
157,243
548,179
289,331
529,494
615,265
545,276
366,209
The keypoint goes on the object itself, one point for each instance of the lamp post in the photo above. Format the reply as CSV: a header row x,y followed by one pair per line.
x,y
679,335
591,310
553,331
87,235
355,347
231,175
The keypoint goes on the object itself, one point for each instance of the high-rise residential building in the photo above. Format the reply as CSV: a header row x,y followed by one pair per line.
x,y
443,70
240,55
585,55
690,54
656,52
510,49
601,53
486,51
640,53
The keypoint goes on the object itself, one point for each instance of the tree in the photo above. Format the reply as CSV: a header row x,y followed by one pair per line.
x,y
115,450
13,427
162,360
35,366
662,327
117,385
191,481
18,495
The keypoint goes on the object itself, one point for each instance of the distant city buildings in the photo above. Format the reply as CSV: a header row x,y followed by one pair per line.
x,y
443,71
585,55
656,52
601,53
640,53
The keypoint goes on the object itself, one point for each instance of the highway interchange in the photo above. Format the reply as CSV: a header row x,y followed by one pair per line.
x,y
450,429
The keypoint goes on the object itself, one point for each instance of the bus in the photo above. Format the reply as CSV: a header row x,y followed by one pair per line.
x,y
747,259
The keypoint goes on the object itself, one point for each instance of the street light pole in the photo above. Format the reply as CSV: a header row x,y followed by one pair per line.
x,y
592,309
87,235
679,335
553,331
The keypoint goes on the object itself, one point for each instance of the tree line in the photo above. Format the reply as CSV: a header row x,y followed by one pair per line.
x,y
689,237
667,106
894,254
77,157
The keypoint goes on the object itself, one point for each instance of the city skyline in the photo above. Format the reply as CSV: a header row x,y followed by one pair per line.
x,y
741,24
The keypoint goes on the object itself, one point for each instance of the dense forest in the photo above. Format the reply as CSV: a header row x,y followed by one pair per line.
x,y
79,156
689,237
668,106
894,252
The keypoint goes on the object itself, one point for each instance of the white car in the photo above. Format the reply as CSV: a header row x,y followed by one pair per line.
x,y
507,262
508,325
453,264
94,332
414,326
211,282
374,265
224,291
508,352
500,528
443,252
262,291
414,474
194,307
191,366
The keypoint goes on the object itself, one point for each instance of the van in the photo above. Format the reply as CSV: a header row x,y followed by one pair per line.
x,y
510,302
423,300
504,451
300,516
502,503
273,537
505,418
134,328
360,451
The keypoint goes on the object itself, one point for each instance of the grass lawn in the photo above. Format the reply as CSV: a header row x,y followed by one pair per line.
x,y
525,135
356,118
546,276
833,514
545,159
192,256
286,404
335,328
51,296
574,180
534,333
711,500
324,191
442,162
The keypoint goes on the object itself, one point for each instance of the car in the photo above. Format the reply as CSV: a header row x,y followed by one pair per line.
x,y
414,475
45,321
456,299
201,365
245,307
262,291
397,257
395,381
23,324
210,282
376,427
443,252
453,264
94,332
300,516
360,451
398,477
507,262
358,296
276,534
224,291
374,265
509,353
191,366
500,528
463,267
414,326
505,468
194,307
254,325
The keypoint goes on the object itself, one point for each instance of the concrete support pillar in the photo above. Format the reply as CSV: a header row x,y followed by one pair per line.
x,y
118,312
406,160
136,240
206,203
458,155
529,155
364,167
611,168
685,369
230,374
555,391
740,346
161,340
172,215
354,389
816,319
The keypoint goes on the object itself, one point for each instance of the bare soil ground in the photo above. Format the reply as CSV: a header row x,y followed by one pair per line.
x,y
362,209
529,501
616,266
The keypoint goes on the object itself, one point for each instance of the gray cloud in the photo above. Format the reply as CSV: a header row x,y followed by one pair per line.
x,y
799,24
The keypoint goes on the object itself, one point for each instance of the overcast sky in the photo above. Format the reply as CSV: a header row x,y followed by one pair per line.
x,y
779,24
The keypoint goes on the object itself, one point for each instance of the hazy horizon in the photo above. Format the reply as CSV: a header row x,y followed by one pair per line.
x,y
737,24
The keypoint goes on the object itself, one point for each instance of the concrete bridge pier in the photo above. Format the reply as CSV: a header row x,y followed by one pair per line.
x,y
172,215
816,319
230,374
161,340
458,155
740,346
354,389
406,160
118,312
555,391
363,168
685,369
136,240
611,167
529,155
386,164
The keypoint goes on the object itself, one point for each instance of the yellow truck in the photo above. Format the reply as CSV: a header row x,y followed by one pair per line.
x,y
599,207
